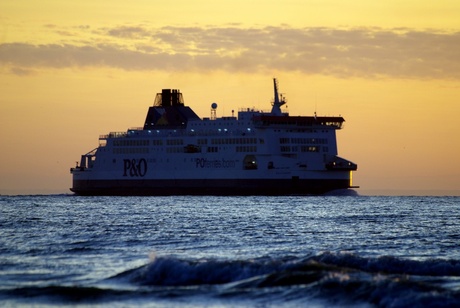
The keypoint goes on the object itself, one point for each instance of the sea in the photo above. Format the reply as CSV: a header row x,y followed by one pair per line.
x,y
338,250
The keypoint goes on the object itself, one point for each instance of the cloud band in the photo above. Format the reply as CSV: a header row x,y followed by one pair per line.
x,y
363,52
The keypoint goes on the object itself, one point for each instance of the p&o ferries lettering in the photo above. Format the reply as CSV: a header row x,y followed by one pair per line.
x,y
217,164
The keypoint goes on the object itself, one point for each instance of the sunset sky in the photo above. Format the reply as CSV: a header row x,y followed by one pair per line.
x,y
71,71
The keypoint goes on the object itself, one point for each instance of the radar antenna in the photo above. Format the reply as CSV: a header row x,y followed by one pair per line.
x,y
277,103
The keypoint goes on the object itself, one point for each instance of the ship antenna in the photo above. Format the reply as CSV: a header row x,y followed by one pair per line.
x,y
275,87
316,103
277,103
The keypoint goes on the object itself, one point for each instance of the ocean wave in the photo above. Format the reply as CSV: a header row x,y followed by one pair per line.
x,y
325,279
338,277
171,271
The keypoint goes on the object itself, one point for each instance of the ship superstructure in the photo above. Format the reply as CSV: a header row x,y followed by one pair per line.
x,y
176,152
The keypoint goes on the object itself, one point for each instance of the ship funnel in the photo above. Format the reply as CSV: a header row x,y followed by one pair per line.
x,y
168,98
277,102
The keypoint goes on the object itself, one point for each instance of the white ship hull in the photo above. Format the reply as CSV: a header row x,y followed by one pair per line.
x,y
197,176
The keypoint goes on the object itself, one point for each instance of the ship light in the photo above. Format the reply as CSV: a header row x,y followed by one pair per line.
x,y
249,129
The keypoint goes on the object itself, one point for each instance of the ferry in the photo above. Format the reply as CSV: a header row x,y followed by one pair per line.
x,y
254,153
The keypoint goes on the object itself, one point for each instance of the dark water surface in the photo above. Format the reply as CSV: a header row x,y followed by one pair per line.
x,y
65,250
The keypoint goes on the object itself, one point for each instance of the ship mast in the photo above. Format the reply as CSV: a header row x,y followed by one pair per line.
x,y
277,103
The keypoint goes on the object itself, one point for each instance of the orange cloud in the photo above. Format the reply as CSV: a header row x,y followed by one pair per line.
x,y
359,52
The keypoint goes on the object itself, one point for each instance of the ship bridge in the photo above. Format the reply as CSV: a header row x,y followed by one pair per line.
x,y
301,121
